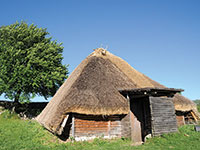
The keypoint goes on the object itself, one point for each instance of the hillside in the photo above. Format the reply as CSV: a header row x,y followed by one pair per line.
x,y
17,134
198,104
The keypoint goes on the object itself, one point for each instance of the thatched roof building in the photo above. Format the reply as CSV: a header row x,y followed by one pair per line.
x,y
92,89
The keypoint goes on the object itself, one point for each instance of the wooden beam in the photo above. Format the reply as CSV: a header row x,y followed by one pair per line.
x,y
109,128
128,98
183,120
73,126
135,125
64,121
63,124
193,115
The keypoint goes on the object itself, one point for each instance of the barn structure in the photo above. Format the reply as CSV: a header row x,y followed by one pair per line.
x,y
104,96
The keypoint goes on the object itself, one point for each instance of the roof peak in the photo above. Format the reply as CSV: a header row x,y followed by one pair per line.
x,y
100,51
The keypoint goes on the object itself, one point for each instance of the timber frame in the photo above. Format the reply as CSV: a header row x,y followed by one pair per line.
x,y
155,92
151,111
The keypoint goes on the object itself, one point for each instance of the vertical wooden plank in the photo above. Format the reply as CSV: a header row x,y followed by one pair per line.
x,y
65,121
183,120
73,126
129,102
63,124
136,136
109,128
125,126
180,120
152,118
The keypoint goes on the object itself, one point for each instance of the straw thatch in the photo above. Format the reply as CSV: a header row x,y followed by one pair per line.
x,y
181,103
92,88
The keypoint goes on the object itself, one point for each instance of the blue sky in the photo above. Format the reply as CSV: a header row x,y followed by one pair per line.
x,y
158,38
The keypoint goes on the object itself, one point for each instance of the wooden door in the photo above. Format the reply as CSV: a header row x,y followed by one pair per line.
x,y
135,117
140,118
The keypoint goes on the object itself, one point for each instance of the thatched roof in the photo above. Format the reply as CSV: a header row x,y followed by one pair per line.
x,y
92,88
181,103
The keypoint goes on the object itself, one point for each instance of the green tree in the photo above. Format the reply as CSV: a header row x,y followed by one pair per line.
x,y
30,62
198,104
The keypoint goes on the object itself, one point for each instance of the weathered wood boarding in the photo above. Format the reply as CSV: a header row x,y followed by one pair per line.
x,y
91,126
163,115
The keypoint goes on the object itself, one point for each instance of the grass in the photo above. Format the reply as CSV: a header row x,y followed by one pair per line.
x,y
16,134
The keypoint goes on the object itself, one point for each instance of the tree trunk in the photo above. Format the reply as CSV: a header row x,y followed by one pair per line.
x,y
16,100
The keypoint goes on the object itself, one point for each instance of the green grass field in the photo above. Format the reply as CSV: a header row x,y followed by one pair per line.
x,y
16,134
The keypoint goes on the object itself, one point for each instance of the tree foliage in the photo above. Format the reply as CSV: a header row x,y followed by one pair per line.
x,y
197,102
30,62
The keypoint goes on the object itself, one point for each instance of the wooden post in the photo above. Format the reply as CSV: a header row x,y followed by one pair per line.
x,y
193,115
136,136
109,128
63,125
128,98
183,117
73,127
65,121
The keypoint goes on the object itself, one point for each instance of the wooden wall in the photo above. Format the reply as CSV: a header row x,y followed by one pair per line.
x,y
89,126
180,120
126,126
163,115
159,118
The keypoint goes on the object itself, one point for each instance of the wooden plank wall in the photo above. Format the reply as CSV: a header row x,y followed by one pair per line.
x,y
126,126
163,115
180,120
88,126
